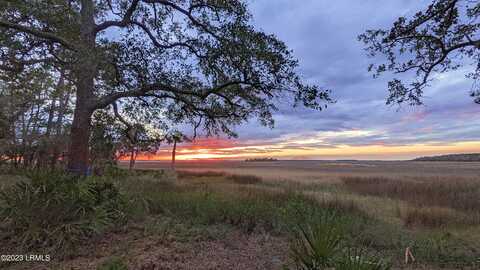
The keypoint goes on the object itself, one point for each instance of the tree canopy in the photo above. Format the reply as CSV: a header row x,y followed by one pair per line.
x,y
439,39
189,61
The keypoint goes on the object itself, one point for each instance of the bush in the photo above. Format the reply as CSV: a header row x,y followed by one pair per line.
x,y
57,211
316,246
321,245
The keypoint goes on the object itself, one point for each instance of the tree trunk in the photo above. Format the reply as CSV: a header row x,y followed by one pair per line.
x,y
85,71
133,157
62,108
46,144
173,153
78,153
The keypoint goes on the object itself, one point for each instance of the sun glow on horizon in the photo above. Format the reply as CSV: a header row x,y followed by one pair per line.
x,y
222,149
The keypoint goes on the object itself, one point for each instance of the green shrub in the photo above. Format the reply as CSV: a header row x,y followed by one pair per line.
x,y
58,211
321,244
316,246
113,264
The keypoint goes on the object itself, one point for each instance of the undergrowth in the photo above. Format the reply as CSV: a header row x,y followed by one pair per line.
x,y
57,211
322,244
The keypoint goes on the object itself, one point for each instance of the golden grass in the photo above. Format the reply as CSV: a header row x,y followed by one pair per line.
x,y
429,202
435,217
413,201
389,211
323,171
457,193
195,174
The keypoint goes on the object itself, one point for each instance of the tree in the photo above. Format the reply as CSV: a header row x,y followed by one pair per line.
x,y
197,60
138,136
442,38
104,140
114,137
175,137
32,119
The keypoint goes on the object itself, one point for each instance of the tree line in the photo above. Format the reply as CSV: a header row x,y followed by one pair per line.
x,y
36,119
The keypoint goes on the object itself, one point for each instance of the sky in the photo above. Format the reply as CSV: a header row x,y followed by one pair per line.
x,y
323,36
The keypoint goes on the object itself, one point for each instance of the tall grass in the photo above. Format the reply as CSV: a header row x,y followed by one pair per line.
x,y
433,202
260,208
456,193
196,174
436,217
244,206
161,204
245,179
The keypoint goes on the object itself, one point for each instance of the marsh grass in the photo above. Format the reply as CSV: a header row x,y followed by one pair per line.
x,y
213,200
241,204
194,206
457,193
436,217
197,174
433,202
245,179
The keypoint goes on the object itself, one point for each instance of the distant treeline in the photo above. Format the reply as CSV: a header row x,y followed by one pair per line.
x,y
260,159
452,157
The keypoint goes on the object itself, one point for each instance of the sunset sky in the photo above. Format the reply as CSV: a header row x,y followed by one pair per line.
x,y
359,125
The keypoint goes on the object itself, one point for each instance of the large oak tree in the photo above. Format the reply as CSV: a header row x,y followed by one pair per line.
x,y
443,37
198,61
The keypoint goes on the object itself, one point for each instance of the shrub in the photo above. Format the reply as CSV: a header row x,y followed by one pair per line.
x,y
321,245
57,211
316,246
